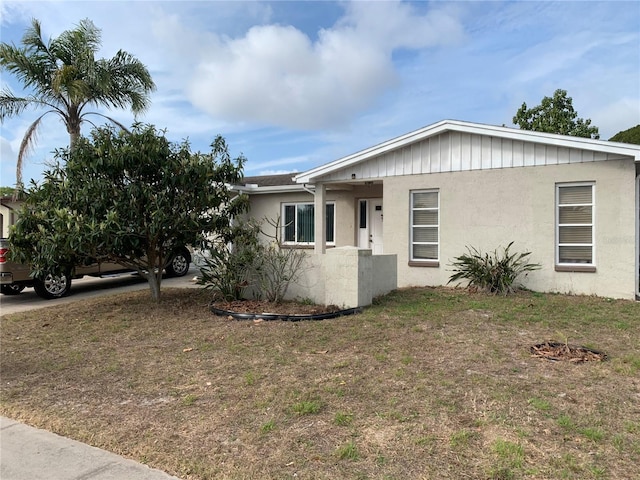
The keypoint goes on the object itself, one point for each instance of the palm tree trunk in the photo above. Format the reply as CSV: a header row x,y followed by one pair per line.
x,y
73,127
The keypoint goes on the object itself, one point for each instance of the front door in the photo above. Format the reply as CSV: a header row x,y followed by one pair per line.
x,y
370,225
375,207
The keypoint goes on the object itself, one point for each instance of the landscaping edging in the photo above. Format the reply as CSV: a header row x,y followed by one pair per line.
x,y
283,317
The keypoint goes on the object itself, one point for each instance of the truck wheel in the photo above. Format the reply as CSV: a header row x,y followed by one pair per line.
x,y
179,264
12,289
52,286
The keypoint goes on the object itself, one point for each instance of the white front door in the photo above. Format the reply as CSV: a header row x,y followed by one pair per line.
x,y
370,225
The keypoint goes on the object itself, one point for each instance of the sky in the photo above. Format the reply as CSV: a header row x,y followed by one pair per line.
x,y
295,84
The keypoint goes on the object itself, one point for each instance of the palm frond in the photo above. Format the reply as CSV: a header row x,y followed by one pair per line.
x,y
11,105
26,146
64,76
112,120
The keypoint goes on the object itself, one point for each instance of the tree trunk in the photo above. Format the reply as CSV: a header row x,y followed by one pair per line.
x,y
73,122
154,272
73,137
155,279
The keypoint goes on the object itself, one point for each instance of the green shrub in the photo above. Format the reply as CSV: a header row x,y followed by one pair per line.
x,y
493,272
229,267
240,262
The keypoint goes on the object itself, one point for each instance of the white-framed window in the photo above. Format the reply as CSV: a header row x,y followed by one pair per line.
x,y
575,229
299,223
425,226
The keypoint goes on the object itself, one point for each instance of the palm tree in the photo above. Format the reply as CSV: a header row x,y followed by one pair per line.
x,y
65,79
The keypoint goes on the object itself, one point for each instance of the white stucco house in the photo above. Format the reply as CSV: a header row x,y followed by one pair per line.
x,y
418,200
8,214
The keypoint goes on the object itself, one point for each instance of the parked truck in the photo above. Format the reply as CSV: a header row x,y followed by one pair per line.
x,y
15,277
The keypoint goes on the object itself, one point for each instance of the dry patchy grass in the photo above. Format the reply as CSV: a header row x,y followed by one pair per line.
x,y
426,384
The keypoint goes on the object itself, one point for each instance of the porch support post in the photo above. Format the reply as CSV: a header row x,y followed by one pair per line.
x,y
320,208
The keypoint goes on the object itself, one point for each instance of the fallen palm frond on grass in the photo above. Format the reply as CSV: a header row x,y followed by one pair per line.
x,y
563,351
429,383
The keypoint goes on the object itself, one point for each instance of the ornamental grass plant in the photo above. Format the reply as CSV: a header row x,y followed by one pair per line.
x,y
494,272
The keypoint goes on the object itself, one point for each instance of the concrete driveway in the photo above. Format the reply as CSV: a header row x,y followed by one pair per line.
x,y
90,287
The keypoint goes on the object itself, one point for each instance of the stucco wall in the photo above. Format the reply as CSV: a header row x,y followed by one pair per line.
x,y
311,282
489,208
345,276
270,206
9,211
385,274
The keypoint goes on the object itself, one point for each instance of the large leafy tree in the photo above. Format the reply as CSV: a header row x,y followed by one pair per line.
x,y
6,191
130,198
63,77
630,135
555,115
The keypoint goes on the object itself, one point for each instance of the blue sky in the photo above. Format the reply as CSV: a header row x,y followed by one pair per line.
x,y
292,85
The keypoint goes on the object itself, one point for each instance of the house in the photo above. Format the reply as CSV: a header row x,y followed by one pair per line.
x,y
8,214
425,196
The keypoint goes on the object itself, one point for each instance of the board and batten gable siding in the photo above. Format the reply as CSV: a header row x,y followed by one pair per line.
x,y
461,151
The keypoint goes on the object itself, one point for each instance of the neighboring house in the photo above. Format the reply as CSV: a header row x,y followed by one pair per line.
x,y
427,195
8,214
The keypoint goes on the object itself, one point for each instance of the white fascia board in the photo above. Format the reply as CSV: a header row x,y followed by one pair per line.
x,y
604,146
270,189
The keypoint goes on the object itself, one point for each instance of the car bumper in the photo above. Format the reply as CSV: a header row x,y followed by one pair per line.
x,y
6,278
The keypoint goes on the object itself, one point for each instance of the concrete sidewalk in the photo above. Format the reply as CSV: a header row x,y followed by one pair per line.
x,y
28,453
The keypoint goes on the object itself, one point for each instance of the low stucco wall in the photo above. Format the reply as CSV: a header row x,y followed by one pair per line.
x,y
311,283
384,274
348,277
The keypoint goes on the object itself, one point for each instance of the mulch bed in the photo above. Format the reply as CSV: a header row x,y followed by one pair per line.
x,y
563,351
284,308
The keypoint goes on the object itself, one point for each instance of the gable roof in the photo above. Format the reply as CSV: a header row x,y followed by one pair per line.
x,y
507,133
283,182
270,180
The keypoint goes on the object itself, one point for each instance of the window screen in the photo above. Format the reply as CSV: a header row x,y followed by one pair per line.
x,y
425,225
575,225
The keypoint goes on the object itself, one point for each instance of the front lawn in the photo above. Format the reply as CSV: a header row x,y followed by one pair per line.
x,y
426,384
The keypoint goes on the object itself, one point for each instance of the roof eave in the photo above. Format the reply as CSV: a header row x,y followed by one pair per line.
x,y
473,128
257,190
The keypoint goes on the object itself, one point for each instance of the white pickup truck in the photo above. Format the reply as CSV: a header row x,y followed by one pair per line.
x,y
14,277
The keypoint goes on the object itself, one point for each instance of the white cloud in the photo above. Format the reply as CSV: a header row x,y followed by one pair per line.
x,y
7,163
391,25
352,73
561,54
275,75
267,166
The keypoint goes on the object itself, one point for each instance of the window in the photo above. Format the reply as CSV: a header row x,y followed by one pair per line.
x,y
299,223
425,225
363,214
574,224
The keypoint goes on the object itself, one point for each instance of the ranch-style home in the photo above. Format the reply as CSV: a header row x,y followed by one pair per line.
x,y
396,214
8,214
